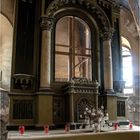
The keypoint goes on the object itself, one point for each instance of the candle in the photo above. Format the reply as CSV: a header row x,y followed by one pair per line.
x,y
116,126
21,130
46,129
67,128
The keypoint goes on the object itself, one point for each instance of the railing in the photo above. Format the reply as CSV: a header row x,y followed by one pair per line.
x,y
23,82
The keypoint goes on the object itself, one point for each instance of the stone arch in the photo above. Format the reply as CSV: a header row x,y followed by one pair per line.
x,y
6,36
90,6
129,42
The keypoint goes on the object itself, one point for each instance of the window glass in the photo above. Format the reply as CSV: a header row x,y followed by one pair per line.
x,y
127,64
72,49
62,68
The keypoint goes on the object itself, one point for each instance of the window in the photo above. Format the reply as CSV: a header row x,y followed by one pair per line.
x,y
127,64
72,49
120,108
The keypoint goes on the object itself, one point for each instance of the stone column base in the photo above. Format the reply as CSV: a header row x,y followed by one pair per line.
x,y
44,109
109,101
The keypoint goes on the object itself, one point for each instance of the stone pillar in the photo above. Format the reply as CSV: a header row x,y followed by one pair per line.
x,y
110,98
45,109
46,25
108,75
45,96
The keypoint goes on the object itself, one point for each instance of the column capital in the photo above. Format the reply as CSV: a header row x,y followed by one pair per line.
x,y
106,35
46,23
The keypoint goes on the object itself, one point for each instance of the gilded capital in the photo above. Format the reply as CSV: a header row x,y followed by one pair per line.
x,y
46,23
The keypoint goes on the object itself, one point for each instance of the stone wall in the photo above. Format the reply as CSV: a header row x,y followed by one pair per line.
x,y
4,112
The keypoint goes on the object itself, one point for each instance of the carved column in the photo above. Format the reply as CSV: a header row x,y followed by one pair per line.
x,y
110,100
46,25
45,96
108,75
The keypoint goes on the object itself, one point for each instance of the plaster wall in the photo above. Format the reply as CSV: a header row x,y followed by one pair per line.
x,y
7,9
6,37
129,31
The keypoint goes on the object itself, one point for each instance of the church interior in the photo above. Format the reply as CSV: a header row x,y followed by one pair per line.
x,y
58,57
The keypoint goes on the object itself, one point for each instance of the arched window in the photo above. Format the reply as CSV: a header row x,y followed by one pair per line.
x,y
127,66
72,49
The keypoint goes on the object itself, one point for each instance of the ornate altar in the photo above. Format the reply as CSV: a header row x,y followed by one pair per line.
x,y
80,93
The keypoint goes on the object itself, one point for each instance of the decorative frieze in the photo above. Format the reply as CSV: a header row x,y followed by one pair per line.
x,y
46,23
107,3
104,3
90,5
82,85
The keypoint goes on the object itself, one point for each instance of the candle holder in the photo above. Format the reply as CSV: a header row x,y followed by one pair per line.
x,y
116,126
21,130
67,127
46,129
130,125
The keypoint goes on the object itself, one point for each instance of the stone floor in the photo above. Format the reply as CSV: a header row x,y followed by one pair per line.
x,y
31,135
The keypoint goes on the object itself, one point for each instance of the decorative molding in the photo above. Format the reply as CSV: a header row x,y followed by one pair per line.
x,y
81,85
104,3
46,23
82,81
90,5
107,3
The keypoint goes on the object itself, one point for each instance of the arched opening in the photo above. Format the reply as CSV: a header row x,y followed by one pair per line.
x,y
6,36
72,49
127,66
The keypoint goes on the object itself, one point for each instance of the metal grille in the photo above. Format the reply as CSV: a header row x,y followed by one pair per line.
x,y
22,109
